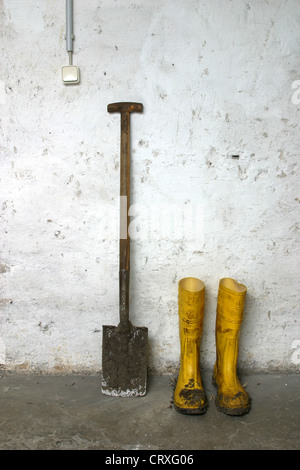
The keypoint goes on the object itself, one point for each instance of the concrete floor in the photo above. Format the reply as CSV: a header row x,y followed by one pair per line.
x,y
69,412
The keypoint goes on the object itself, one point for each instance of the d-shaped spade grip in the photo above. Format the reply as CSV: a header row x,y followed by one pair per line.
x,y
125,109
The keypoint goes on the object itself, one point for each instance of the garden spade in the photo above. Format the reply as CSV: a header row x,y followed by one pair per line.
x,y
124,347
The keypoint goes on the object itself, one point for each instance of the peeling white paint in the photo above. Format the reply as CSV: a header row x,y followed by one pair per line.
x,y
217,79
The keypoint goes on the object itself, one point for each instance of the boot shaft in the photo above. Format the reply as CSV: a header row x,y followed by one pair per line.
x,y
231,301
191,293
230,313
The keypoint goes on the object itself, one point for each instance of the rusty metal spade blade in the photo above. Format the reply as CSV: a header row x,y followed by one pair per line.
x,y
124,347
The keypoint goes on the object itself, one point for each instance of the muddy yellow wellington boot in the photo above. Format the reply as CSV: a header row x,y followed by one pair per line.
x,y
231,399
189,396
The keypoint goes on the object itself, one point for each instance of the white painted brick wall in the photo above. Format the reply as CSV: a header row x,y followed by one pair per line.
x,y
216,78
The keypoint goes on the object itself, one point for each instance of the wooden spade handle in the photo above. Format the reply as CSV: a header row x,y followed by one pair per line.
x,y
125,109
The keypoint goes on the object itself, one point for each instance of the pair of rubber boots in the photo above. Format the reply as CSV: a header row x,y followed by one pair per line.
x,y
189,396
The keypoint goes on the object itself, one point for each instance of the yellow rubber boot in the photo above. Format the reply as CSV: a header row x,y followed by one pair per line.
x,y
232,399
189,396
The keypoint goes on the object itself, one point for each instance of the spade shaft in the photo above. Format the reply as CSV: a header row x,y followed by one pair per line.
x,y
125,109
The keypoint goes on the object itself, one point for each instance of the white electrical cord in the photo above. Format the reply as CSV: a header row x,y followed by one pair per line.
x,y
69,29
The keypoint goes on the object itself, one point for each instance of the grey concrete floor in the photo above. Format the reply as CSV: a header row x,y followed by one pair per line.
x,y
69,412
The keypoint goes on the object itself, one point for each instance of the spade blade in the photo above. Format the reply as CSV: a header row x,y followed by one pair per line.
x,y
124,361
